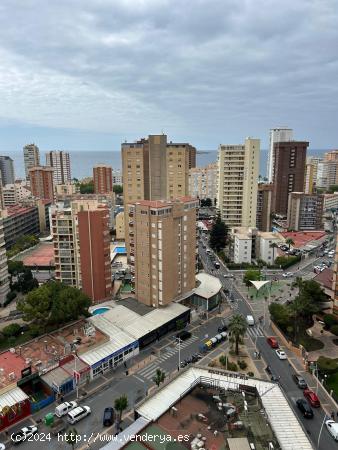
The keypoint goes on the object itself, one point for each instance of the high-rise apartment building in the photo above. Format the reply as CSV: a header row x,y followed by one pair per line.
x,y
4,277
238,167
7,170
103,179
31,155
203,182
310,178
82,247
264,201
327,173
60,161
153,169
42,182
335,281
289,172
281,134
162,239
305,211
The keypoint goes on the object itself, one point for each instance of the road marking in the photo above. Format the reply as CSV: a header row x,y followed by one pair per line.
x,y
140,379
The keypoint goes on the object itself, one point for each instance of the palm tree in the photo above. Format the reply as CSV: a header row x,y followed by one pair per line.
x,y
273,245
289,241
121,403
237,329
71,437
159,377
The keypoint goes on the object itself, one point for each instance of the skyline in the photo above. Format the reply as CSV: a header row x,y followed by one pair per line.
x,y
216,73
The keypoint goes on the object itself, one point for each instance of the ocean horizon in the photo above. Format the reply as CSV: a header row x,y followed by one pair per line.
x,y
82,162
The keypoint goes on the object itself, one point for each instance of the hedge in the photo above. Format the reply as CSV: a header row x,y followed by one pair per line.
x,y
327,365
287,261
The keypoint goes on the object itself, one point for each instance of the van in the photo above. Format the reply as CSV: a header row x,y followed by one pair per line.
x,y
75,415
64,408
250,320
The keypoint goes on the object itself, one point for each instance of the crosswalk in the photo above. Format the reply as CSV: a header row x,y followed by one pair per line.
x,y
150,371
255,331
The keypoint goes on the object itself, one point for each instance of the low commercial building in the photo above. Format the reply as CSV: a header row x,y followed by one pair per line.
x,y
207,294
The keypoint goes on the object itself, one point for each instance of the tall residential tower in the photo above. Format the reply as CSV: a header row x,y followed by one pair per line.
x,y
31,155
60,161
282,134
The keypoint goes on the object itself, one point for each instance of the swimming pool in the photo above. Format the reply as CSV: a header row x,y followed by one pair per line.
x,y
120,250
98,311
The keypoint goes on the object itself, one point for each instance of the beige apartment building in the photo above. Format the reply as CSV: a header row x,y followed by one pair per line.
x,y
153,169
203,181
120,226
238,167
162,239
81,242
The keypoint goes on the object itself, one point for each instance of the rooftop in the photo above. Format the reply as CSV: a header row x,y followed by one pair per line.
x,y
301,238
325,278
17,210
11,365
209,285
42,255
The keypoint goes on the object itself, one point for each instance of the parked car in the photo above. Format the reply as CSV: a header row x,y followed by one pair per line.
x,y
77,414
305,408
332,428
301,383
64,408
272,342
108,416
222,328
312,398
183,335
23,434
281,354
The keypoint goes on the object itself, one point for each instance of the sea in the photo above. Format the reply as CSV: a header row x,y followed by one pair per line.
x,y
82,162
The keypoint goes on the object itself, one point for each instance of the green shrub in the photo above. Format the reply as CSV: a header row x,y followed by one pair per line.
x,y
242,364
251,374
232,367
11,330
329,320
327,365
286,261
334,329
223,360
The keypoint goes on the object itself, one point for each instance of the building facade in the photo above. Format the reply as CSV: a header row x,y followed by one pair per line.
x,y
42,182
289,172
238,167
120,226
282,134
117,177
66,189
203,182
264,201
19,221
31,155
4,276
81,242
248,244
305,211
162,239
103,179
7,170
60,161
15,193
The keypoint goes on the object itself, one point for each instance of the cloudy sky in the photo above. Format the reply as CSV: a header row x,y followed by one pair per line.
x,y
86,74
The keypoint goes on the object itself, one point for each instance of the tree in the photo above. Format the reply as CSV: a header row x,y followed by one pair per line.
x,y
25,282
289,242
218,234
206,202
333,188
121,403
251,275
15,267
273,245
71,437
87,188
159,377
237,329
118,189
11,330
280,314
313,291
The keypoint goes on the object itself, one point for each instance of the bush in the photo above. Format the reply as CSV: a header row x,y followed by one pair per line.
x,y
9,297
242,364
327,365
223,360
232,367
329,320
286,261
11,330
251,374
334,329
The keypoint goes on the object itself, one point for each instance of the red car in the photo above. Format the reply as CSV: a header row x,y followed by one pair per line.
x,y
272,342
312,398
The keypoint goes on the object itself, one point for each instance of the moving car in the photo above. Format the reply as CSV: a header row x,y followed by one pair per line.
x,y
272,342
301,383
108,417
332,428
305,408
287,274
281,354
23,434
183,335
250,320
75,415
312,398
64,408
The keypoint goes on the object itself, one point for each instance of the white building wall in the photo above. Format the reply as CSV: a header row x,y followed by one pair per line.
x,y
242,249
276,135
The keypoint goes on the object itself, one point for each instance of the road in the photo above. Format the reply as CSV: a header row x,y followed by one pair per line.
x,y
280,368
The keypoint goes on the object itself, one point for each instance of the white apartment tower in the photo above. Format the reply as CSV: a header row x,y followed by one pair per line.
x,y
282,134
4,277
60,161
238,167
31,156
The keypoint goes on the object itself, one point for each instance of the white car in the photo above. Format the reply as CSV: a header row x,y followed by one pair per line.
x,y
23,434
287,274
281,354
332,428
